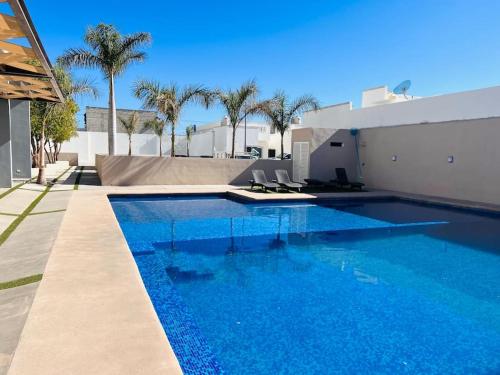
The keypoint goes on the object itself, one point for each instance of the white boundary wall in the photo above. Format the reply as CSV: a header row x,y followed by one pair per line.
x,y
467,105
207,143
88,144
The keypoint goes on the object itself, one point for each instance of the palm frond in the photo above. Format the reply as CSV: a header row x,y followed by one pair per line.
x,y
85,86
157,125
302,104
196,94
131,42
72,87
238,103
109,50
148,92
130,123
101,36
80,57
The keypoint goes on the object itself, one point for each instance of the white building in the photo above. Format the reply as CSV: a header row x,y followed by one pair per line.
x,y
216,140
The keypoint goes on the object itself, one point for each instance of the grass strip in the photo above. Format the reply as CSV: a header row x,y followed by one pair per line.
x,y
12,227
14,188
20,282
46,212
78,177
7,214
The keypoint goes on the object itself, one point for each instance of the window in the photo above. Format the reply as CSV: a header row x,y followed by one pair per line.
x,y
273,130
271,153
336,144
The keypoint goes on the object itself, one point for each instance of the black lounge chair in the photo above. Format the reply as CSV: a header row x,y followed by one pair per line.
x,y
284,180
260,179
312,182
344,182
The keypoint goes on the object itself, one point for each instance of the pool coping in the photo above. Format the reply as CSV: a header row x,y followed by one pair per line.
x,y
104,321
91,313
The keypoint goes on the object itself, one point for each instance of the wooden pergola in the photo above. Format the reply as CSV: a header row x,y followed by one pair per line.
x,y
25,71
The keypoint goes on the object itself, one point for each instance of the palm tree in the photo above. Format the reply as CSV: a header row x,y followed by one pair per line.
x,y
130,126
170,100
43,111
112,53
280,111
189,135
239,104
157,125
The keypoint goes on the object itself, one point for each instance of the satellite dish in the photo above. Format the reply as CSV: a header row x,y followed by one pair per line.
x,y
402,88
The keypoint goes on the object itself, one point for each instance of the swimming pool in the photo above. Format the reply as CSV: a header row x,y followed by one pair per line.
x,y
331,287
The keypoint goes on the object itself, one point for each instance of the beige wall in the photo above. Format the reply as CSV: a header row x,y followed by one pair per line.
x,y
324,158
422,152
71,157
146,170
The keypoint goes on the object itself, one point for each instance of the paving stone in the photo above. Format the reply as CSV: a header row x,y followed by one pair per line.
x,y
17,201
26,251
15,304
54,200
5,221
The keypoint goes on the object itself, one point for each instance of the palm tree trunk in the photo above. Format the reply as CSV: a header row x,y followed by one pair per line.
x,y
160,146
282,148
41,159
111,117
233,142
172,139
187,146
129,145
57,150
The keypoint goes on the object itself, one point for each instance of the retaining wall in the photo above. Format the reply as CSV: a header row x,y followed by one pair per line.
x,y
150,170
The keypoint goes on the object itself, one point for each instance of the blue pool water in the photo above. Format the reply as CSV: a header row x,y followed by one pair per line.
x,y
379,287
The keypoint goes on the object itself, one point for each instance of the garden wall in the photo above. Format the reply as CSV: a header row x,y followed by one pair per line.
x,y
455,159
150,170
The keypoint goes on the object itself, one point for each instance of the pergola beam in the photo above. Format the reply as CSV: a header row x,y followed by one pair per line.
x,y
24,71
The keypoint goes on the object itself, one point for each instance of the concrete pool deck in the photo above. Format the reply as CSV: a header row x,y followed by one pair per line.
x,y
24,253
92,313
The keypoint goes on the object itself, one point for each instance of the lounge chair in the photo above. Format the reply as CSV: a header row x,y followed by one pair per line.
x,y
312,182
344,182
284,180
260,179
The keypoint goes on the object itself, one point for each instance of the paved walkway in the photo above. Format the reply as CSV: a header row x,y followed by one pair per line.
x,y
24,253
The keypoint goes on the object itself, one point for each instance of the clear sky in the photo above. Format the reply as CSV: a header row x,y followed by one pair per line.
x,y
331,49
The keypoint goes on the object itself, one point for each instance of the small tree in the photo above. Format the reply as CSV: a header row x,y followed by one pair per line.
x,y
62,127
157,125
130,126
280,111
189,135
238,105
56,121
170,100
112,53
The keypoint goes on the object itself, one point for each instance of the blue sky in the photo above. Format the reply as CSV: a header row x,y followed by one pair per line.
x,y
331,49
